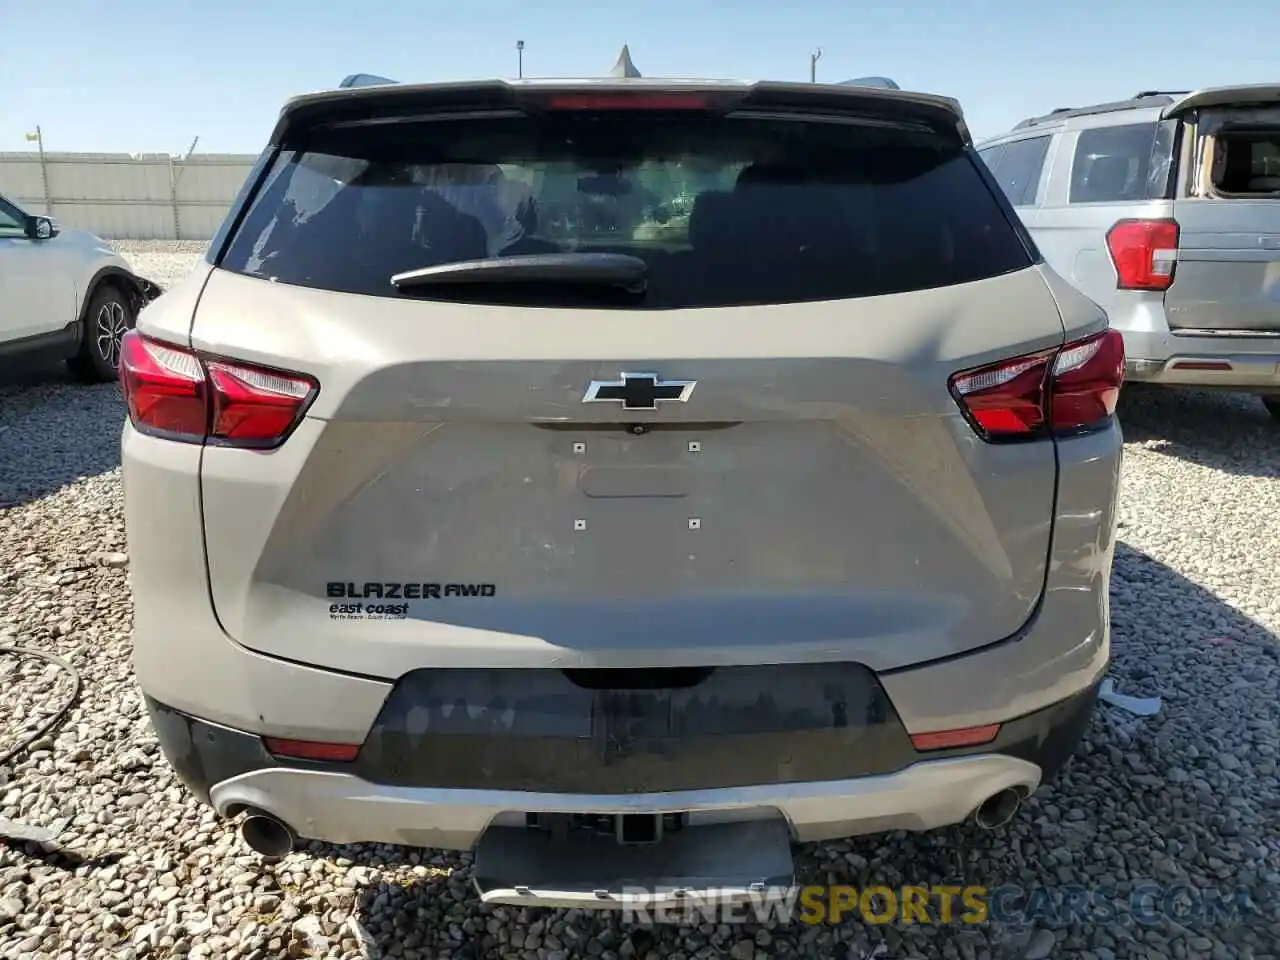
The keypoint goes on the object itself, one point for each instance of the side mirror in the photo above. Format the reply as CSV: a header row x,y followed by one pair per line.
x,y
41,228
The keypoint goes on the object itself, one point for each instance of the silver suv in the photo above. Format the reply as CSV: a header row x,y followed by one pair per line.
x,y
478,497
1165,210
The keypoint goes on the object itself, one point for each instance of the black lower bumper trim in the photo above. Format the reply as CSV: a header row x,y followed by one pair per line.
x,y
536,730
539,730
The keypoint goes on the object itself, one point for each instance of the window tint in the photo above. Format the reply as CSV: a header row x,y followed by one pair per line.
x,y
723,211
1017,167
1115,164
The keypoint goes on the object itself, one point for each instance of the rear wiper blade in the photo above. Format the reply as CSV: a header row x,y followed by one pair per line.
x,y
599,269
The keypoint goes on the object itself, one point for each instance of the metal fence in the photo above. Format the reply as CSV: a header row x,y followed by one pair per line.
x,y
118,196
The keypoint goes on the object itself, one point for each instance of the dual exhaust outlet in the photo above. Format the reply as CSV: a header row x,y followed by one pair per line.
x,y
270,837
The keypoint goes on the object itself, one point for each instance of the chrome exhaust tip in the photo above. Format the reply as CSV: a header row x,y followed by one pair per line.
x,y
998,809
267,836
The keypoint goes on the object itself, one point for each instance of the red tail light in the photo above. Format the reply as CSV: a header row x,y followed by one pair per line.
x,y
1071,389
174,393
1144,253
1085,383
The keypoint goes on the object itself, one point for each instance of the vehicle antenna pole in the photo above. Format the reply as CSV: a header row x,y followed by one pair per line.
x,y
38,137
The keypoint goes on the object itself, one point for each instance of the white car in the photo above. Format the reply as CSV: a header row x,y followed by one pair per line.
x,y
66,295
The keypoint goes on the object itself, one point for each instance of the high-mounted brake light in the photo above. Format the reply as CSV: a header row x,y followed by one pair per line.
x,y
1069,390
628,101
1144,253
174,393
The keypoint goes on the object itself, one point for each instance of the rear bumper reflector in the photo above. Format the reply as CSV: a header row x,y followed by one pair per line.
x,y
963,737
311,750
1201,365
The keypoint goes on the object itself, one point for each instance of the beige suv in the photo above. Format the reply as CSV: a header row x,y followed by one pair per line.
x,y
479,497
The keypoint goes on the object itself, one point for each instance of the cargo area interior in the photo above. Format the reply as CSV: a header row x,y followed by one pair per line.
x,y
1241,151
1247,162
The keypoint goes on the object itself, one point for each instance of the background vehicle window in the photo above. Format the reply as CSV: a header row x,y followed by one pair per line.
x,y
1017,168
723,211
1113,164
11,220
991,156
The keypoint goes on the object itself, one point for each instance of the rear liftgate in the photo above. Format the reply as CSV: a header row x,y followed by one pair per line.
x,y
632,861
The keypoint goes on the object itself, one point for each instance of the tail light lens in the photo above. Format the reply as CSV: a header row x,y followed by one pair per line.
x,y
1069,390
1144,253
174,393
1085,383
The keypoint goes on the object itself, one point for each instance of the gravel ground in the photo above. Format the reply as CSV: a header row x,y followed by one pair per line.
x,y
1188,797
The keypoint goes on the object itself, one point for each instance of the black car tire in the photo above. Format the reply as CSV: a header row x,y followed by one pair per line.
x,y
109,315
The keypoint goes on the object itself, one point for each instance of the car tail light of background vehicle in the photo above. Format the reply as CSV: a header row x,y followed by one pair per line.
x,y
1068,390
174,393
1144,253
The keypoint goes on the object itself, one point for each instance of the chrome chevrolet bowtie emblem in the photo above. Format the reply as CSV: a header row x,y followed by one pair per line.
x,y
638,391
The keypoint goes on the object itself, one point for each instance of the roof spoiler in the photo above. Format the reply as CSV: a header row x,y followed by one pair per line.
x,y
386,99
364,80
1246,95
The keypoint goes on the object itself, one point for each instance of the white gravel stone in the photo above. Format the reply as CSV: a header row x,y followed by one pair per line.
x,y
1190,796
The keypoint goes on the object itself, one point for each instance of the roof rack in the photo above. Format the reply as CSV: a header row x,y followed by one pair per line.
x,y
1154,98
1160,93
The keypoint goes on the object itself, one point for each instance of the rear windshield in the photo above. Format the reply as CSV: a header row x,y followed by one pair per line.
x,y
727,211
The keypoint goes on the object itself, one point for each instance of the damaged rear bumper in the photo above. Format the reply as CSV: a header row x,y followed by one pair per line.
x,y
818,746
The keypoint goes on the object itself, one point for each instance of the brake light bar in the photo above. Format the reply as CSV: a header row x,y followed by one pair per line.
x,y
1144,253
175,393
1069,390
629,101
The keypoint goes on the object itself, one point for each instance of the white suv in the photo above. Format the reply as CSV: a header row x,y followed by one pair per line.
x,y
67,296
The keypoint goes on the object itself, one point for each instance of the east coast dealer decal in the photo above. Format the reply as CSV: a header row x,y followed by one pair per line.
x,y
383,600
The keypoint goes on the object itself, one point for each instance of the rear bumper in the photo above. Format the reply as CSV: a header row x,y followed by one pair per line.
x,y
1249,363
393,800
342,808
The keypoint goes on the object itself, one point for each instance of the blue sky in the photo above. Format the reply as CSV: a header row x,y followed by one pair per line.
x,y
149,75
